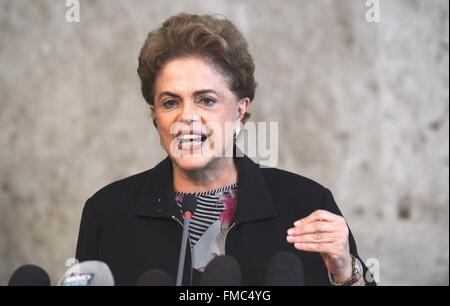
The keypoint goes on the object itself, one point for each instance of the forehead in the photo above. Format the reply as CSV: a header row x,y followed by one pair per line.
x,y
190,74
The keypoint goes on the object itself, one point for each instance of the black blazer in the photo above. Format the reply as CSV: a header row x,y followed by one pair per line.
x,y
133,225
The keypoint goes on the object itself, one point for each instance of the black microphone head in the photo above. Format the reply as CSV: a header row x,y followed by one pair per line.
x,y
223,270
189,203
29,275
155,278
285,269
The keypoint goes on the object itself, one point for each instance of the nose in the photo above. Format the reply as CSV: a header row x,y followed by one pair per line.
x,y
188,113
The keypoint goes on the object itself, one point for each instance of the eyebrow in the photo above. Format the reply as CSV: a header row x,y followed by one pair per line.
x,y
197,93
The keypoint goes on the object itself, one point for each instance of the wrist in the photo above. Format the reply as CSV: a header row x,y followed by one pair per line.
x,y
343,276
342,279
345,270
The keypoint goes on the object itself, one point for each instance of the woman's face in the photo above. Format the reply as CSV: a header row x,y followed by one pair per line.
x,y
196,113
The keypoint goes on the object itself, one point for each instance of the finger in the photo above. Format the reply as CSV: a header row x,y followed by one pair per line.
x,y
313,238
315,247
318,215
313,227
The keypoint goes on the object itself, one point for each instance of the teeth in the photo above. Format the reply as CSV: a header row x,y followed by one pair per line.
x,y
189,137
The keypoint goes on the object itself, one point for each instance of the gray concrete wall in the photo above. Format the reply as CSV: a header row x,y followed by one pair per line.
x,y
362,108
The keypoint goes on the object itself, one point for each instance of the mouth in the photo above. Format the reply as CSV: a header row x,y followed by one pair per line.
x,y
191,140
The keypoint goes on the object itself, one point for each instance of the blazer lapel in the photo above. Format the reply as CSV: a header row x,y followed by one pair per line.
x,y
254,200
156,199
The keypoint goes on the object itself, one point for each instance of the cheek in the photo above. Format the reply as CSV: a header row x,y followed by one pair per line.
x,y
228,114
222,128
164,123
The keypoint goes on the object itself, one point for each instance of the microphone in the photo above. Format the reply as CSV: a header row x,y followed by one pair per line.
x,y
29,275
285,269
223,270
88,273
189,204
155,278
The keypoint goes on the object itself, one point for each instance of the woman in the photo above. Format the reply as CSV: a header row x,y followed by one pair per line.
x,y
198,78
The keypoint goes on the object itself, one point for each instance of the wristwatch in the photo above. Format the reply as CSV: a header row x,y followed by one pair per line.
x,y
357,273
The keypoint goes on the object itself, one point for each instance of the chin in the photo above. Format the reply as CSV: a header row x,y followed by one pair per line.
x,y
192,163
194,158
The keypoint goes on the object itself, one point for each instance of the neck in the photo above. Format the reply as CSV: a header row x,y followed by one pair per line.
x,y
217,174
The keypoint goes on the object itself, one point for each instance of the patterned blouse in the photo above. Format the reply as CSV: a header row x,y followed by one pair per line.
x,y
210,223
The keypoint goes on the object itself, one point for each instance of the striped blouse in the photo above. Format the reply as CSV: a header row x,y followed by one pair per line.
x,y
210,222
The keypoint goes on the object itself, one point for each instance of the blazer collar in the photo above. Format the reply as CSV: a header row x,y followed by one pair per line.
x,y
254,200
157,196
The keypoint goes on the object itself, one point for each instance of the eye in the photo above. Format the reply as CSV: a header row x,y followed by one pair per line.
x,y
207,101
169,104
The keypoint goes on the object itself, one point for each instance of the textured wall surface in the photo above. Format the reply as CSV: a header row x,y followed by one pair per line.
x,y
363,108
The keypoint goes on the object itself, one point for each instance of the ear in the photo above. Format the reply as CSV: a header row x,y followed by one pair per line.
x,y
244,103
152,114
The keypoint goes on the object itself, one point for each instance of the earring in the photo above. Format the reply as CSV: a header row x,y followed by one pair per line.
x,y
237,131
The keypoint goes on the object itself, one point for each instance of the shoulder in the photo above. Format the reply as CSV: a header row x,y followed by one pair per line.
x,y
287,188
125,185
121,196
282,179
116,196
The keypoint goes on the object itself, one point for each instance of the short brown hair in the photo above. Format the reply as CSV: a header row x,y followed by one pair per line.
x,y
206,36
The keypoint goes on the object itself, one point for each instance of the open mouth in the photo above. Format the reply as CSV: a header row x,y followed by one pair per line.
x,y
191,140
